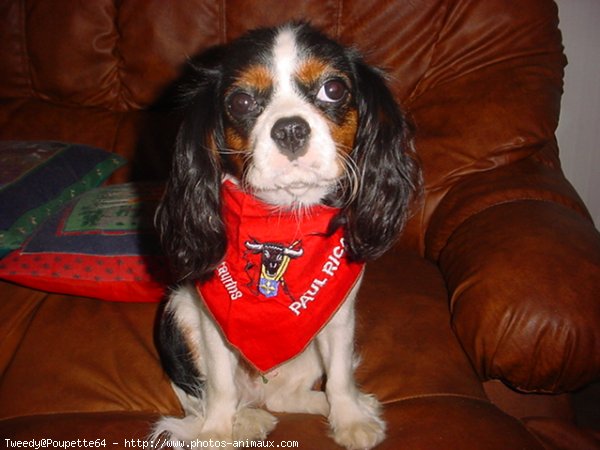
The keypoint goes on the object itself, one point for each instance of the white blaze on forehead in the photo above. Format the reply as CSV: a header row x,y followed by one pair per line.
x,y
277,179
285,60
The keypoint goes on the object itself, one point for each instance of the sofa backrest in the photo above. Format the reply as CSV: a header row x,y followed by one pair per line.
x,y
481,80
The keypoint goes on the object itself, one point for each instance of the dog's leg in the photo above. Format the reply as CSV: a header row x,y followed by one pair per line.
x,y
178,343
219,365
215,411
225,417
202,366
289,388
354,417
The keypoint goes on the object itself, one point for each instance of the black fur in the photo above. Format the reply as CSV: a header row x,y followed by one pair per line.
x,y
389,173
176,357
189,218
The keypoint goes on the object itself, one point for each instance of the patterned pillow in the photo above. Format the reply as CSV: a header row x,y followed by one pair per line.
x,y
102,245
38,178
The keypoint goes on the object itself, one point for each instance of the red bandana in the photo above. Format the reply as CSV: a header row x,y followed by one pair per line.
x,y
281,281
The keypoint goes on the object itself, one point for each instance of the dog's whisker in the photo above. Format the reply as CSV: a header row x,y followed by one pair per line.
x,y
232,151
349,183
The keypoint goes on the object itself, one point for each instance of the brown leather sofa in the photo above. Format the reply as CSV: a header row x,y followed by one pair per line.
x,y
495,283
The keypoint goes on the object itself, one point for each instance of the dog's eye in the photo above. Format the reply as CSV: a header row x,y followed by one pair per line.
x,y
332,91
241,103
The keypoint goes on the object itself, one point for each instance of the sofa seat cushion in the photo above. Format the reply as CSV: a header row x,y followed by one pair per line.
x,y
87,362
413,425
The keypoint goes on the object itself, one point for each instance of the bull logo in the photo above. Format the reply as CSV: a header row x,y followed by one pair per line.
x,y
275,259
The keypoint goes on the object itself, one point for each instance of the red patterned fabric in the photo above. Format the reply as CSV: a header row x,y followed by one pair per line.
x,y
281,281
101,245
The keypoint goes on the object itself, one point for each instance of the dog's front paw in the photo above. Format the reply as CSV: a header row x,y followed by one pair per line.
x,y
360,435
252,424
358,426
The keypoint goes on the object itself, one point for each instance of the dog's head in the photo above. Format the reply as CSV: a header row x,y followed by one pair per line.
x,y
298,120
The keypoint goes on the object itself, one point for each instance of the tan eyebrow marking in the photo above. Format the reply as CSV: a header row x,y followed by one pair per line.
x,y
312,69
258,77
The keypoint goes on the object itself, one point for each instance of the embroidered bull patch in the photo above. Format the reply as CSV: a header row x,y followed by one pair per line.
x,y
275,259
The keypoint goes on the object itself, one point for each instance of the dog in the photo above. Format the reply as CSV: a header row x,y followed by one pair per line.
x,y
293,166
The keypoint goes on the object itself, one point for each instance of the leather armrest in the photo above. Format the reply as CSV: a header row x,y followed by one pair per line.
x,y
524,280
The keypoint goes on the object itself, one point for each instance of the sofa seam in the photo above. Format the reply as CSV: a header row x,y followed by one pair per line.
x,y
435,256
339,19
32,317
438,395
79,413
479,400
530,194
120,102
25,53
416,91
222,20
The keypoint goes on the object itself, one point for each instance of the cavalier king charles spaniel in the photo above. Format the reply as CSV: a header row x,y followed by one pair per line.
x,y
292,167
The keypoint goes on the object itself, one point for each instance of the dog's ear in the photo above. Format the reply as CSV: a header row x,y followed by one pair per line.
x,y
189,216
388,173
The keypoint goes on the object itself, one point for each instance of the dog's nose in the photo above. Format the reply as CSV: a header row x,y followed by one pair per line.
x,y
291,136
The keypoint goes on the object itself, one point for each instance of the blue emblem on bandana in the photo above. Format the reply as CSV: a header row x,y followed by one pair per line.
x,y
268,288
